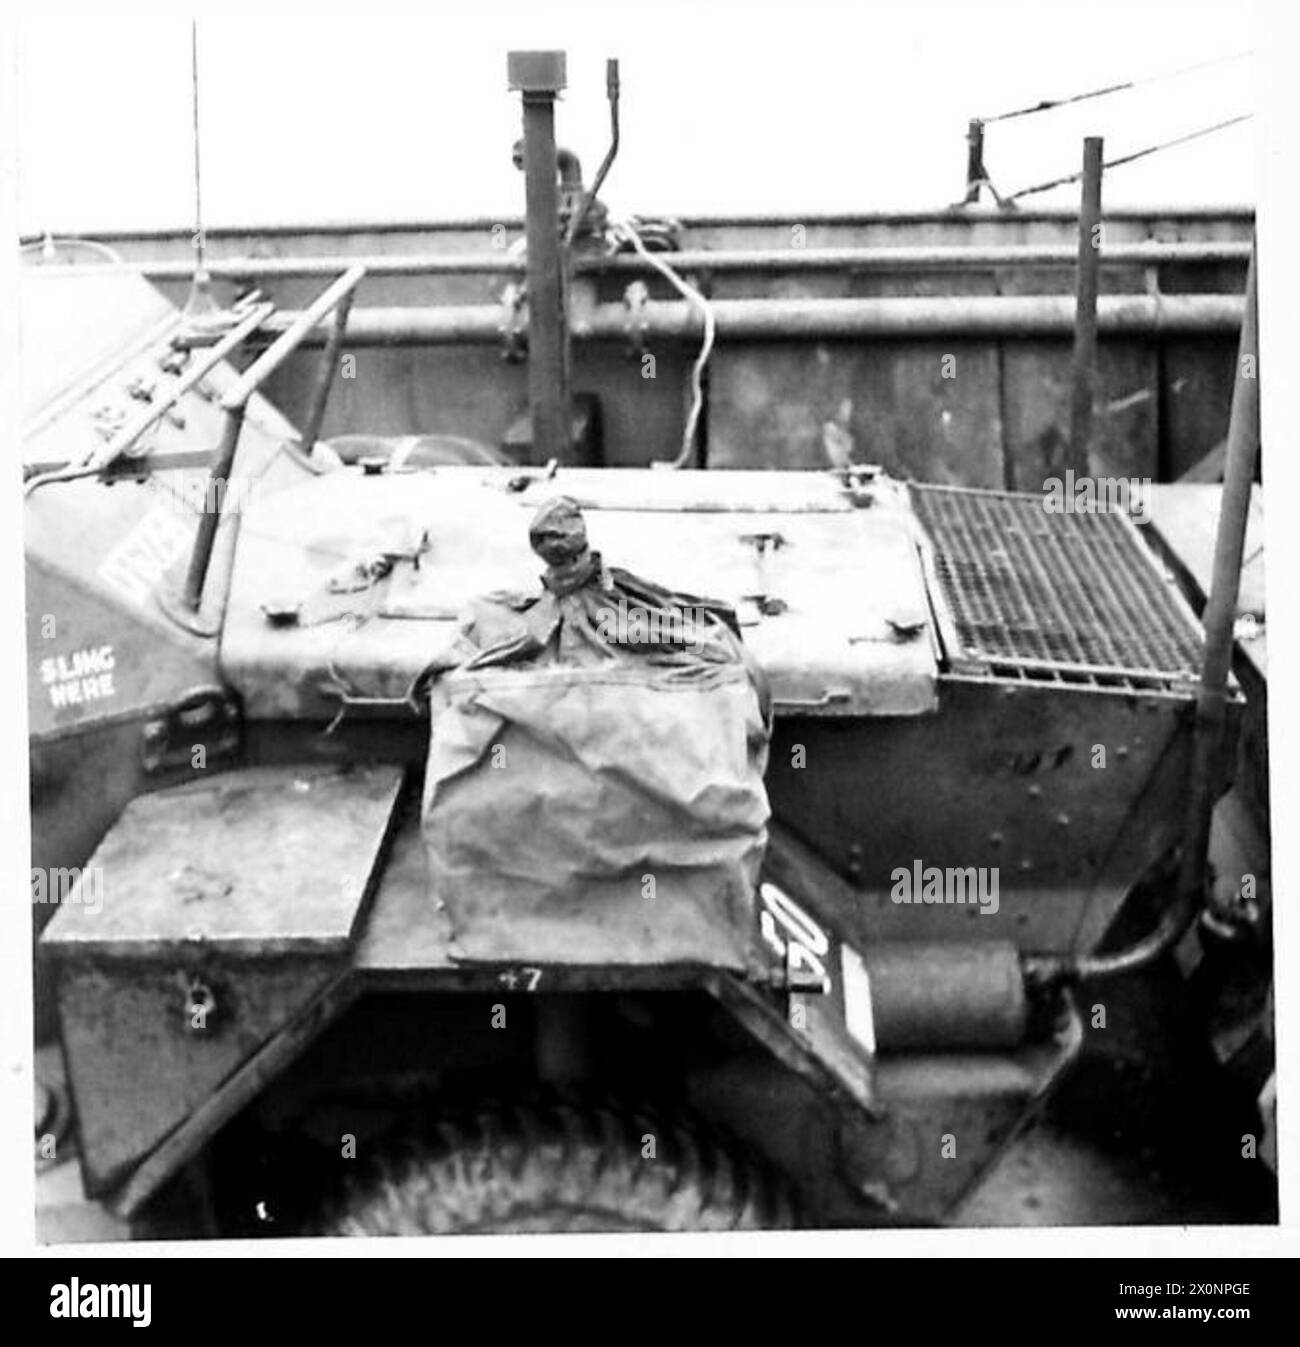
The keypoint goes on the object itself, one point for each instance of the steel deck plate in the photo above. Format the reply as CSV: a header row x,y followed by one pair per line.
x,y
255,862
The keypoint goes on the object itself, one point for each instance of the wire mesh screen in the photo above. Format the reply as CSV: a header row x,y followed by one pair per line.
x,y
1028,591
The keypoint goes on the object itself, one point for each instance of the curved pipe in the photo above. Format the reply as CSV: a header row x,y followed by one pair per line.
x,y
570,167
568,164
1049,970
1211,703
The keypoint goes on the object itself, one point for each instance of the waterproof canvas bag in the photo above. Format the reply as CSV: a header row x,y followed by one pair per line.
x,y
595,790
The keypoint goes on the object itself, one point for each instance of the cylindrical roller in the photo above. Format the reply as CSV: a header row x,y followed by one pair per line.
x,y
937,996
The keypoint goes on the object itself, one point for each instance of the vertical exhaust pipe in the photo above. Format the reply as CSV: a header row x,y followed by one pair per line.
x,y
1220,616
540,76
1219,620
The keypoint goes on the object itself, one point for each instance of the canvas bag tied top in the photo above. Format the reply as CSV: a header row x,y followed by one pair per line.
x,y
595,786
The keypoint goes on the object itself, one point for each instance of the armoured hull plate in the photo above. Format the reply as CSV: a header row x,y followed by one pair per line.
x,y
826,583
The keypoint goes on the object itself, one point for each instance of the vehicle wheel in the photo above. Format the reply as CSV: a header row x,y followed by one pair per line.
x,y
555,1169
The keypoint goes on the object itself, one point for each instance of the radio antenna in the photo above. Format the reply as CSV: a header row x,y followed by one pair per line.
x,y
200,304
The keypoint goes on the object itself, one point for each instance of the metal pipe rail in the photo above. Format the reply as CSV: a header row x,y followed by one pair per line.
x,y
787,319
127,437
462,224
235,402
329,360
300,324
742,261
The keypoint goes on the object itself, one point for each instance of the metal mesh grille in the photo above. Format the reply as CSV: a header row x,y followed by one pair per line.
x,y
1062,594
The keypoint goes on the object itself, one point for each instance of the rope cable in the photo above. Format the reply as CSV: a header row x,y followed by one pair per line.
x,y
1131,158
1050,104
624,229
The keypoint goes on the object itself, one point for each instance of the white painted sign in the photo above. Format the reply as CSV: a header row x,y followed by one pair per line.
x,y
139,561
79,677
